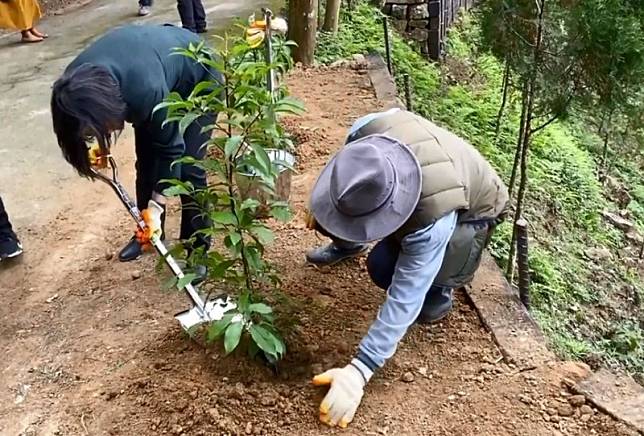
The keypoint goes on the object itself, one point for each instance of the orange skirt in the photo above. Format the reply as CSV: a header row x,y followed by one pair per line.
x,y
19,14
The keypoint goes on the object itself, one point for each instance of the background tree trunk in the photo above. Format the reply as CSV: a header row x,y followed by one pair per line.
x,y
332,16
528,103
504,99
302,20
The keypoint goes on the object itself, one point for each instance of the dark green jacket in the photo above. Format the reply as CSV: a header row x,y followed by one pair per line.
x,y
139,57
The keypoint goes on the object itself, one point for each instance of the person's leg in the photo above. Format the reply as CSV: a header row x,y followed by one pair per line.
x,y
186,12
145,169
199,15
381,265
381,262
9,244
192,217
438,303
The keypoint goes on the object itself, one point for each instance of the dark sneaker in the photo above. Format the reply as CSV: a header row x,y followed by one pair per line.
x,y
10,247
131,251
438,303
332,254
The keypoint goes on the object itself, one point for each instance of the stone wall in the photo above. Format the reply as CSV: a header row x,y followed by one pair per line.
x,y
425,21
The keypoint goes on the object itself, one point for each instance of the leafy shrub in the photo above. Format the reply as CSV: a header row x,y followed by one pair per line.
x,y
247,125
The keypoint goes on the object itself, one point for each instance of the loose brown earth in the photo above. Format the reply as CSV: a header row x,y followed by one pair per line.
x,y
88,349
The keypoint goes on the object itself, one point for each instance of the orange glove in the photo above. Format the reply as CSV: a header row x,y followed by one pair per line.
x,y
152,218
96,157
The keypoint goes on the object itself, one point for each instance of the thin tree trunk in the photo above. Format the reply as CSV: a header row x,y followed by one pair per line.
x,y
302,29
517,153
504,99
332,16
527,138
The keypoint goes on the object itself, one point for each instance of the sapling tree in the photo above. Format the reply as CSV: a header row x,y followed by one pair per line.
x,y
248,123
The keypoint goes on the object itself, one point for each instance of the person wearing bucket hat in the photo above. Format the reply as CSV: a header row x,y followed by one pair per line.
x,y
432,201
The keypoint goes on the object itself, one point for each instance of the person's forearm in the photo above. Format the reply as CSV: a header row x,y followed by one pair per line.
x,y
419,262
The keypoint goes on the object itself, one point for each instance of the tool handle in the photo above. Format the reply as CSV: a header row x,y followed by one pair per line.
x,y
155,240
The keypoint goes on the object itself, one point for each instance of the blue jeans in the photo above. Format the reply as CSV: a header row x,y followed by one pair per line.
x,y
381,265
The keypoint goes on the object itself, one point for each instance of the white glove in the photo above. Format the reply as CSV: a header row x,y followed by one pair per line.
x,y
347,388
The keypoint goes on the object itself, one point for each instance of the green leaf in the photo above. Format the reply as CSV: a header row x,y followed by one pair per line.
x,y
250,203
183,281
260,308
217,328
253,258
223,217
233,336
264,339
289,105
187,119
169,283
263,234
234,238
262,158
243,302
176,190
232,146
281,213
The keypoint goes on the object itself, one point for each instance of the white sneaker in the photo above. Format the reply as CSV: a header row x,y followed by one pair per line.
x,y
144,10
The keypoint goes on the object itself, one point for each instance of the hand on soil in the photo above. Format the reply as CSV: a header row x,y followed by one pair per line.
x,y
344,396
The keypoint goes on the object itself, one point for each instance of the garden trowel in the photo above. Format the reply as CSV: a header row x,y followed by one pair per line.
x,y
203,310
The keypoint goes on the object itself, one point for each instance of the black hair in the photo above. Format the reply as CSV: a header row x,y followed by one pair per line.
x,y
86,103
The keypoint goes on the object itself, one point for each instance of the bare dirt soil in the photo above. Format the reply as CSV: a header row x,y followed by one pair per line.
x,y
90,346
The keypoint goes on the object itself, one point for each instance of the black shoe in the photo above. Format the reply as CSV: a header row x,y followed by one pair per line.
x,y
332,254
131,251
10,246
438,303
204,30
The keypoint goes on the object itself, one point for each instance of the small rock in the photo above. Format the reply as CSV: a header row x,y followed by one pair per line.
x,y
599,254
462,394
359,59
585,418
555,418
565,410
619,222
136,274
452,398
586,410
408,377
577,400
342,347
109,255
177,429
525,399
423,371
317,368
52,298
551,411
214,413
249,428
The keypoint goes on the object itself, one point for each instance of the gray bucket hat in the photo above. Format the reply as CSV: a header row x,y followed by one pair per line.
x,y
368,190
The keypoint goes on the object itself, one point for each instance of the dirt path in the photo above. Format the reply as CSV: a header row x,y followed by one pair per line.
x,y
90,350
